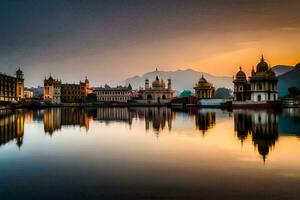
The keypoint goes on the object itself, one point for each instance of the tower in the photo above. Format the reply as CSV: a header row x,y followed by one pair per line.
x,y
19,85
169,84
147,84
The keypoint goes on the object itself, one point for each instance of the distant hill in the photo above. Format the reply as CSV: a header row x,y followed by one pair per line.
x,y
181,79
282,69
289,79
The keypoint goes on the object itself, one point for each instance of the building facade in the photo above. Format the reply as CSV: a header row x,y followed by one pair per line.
x,y
28,93
242,91
114,94
12,88
75,93
261,86
204,89
52,90
158,93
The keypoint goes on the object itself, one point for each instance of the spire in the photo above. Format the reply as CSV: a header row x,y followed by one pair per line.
x,y
262,58
240,68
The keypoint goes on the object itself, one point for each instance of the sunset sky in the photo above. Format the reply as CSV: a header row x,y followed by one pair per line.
x,y
110,41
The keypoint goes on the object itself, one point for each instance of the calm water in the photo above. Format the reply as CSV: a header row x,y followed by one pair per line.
x,y
149,153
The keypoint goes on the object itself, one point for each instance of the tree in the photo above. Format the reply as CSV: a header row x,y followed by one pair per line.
x,y
91,98
223,92
186,93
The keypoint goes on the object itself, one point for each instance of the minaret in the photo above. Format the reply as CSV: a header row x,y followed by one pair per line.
x,y
169,84
147,84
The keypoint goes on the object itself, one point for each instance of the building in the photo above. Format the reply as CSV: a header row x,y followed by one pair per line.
x,y
12,87
28,93
242,91
263,83
114,94
204,89
75,93
52,90
261,86
158,93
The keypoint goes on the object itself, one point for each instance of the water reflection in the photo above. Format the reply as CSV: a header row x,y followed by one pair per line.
x,y
11,127
56,118
263,128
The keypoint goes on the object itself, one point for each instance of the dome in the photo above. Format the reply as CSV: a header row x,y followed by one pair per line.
x,y
19,71
241,75
203,83
156,83
262,66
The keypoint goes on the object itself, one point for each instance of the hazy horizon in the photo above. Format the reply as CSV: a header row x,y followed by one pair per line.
x,y
110,41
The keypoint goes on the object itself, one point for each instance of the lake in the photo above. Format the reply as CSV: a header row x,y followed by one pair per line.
x,y
149,153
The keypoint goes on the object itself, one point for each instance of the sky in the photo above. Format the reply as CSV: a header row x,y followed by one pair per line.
x,y
111,40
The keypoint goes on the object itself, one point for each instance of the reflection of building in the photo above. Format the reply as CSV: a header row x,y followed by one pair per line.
x,y
159,117
263,126
108,115
12,88
75,93
204,89
116,94
158,93
56,118
12,128
52,120
52,90
205,120
261,87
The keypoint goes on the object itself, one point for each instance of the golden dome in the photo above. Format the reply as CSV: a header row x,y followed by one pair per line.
x,y
203,83
157,83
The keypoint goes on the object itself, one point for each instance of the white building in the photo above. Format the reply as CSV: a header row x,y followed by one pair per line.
x,y
113,94
261,86
28,93
263,83
158,93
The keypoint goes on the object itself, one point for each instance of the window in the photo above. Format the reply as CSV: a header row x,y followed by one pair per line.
x,y
259,86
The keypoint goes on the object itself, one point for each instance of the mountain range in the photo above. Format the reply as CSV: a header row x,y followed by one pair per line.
x,y
181,79
289,79
282,69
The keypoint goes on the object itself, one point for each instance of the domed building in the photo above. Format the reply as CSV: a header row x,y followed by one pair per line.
x,y
158,93
263,83
241,87
204,89
261,86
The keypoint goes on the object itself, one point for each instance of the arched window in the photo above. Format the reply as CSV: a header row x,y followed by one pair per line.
x,y
149,96
258,98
